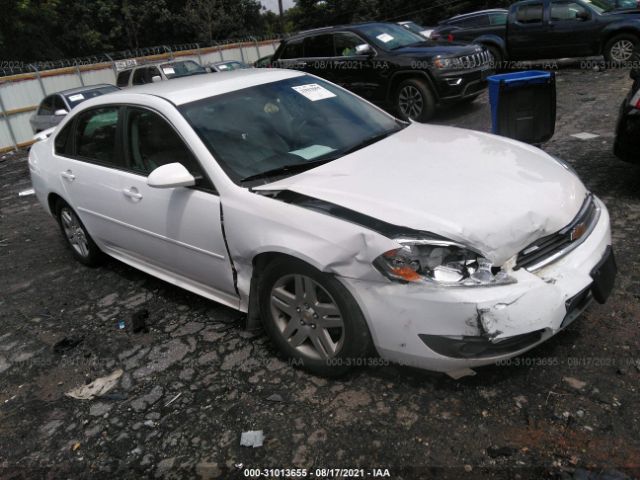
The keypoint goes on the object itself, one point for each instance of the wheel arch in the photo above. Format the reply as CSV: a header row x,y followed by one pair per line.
x,y
52,201
258,264
614,32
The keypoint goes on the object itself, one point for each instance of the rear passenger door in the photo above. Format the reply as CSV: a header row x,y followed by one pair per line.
x,y
90,162
527,34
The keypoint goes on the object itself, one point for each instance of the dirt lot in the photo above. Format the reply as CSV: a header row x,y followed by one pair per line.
x,y
196,380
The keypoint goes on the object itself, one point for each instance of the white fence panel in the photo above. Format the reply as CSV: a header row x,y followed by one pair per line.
x,y
94,77
21,94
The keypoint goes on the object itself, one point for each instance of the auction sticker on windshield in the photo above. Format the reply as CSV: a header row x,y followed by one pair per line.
x,y
313,92
384,37
168,71
76,97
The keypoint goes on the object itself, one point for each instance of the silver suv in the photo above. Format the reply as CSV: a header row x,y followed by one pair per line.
x,y
158,72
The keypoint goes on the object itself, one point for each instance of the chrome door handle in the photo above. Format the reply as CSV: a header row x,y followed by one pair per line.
x,y
132,193
68,175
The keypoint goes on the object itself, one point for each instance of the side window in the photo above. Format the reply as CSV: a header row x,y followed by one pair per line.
x,y
123,78
139,76
46,107
498,18
58,103
475,21
346,43
293,49
63,142
96,135
153,143
318,46
563,11
531,13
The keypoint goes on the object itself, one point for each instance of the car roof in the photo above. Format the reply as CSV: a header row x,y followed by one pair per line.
x,y
71,91
479,12
350,26
192,88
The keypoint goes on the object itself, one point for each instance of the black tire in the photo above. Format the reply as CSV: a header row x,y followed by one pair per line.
x,y
89,255
496,53
354,338
414,95
612,56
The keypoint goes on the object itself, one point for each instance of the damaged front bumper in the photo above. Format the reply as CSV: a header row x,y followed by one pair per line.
x,y
448,329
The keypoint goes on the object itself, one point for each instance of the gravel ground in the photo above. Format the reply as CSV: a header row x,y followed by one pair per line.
x,y
196,379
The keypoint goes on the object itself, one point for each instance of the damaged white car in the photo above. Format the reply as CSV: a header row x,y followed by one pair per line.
x,y
342,229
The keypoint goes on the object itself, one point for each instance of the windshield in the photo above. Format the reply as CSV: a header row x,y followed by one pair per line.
x,y
389,36
601,6
226,66
294,122
77,98
412,27
182,69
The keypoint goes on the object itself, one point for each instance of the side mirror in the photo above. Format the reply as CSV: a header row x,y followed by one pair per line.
x,y
60,113
171,175
156,78
364,49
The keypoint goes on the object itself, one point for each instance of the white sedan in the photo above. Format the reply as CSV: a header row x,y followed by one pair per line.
x,y
343,230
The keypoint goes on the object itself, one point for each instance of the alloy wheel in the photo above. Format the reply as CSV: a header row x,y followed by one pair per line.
x,y
622,50
74,232
307,317
410,101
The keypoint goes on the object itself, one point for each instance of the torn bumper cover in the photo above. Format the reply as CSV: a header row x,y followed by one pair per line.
x,y
446,329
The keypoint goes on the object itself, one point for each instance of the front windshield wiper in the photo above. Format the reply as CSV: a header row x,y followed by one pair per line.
x,y
285,169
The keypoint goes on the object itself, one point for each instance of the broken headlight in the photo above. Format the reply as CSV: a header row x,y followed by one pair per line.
x,y
439,262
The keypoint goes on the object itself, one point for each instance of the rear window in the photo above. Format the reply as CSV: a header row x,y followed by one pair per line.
x,y
123,78
529,13
498,18
77,98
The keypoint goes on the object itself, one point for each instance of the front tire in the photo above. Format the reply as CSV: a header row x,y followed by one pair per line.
x,y
82,246
414,100
620,48
312,318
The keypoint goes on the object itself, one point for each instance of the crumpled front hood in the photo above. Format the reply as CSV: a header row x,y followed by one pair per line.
x,y
490,193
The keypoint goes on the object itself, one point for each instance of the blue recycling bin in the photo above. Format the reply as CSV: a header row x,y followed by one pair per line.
x,y
523,105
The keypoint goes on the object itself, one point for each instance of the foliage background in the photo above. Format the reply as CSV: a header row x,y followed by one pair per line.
x,y
33,30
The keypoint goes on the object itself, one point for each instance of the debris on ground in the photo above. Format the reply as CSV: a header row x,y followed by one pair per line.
x,y
463,372
139,321
574,382
252,438
584,135
100,386
67,344
27,192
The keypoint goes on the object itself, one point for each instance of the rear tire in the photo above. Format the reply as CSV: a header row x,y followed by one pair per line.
x,y
312,318
414,100
82,246
620,48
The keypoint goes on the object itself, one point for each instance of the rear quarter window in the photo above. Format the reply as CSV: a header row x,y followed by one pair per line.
x,y
123,78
